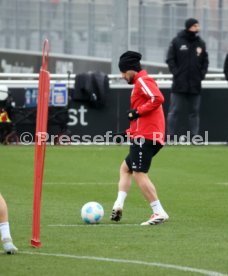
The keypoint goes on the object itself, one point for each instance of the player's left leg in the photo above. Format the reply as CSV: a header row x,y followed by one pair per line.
x,y
149,191
6,238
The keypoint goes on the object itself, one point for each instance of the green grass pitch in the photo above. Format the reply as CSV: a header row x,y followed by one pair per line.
x,y
192,183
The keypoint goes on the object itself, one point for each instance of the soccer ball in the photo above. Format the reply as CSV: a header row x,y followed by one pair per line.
x,y
92,212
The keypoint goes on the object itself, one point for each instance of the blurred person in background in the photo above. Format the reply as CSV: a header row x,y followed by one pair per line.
x,y
187,60
6,238
225,67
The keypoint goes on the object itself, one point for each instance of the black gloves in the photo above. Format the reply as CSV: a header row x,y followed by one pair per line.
x,y
132,114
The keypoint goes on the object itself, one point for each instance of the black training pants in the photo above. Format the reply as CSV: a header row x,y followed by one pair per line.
x,y
179,102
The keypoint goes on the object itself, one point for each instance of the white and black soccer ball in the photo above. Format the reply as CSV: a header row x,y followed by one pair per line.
x,y
92,212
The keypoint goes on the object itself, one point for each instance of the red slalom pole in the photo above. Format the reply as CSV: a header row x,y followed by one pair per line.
x,y
40,143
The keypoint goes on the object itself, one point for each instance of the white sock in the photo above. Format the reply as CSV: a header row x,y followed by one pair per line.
x,y
119,203
5,230
157,207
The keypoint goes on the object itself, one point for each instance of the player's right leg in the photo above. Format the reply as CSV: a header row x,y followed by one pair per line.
x,y
123,189
177,103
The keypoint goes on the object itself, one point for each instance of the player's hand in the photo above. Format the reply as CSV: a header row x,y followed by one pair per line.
x,y
132,114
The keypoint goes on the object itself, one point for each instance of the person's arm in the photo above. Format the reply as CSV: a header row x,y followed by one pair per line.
x,y
153,95
225,69
171,58
205,63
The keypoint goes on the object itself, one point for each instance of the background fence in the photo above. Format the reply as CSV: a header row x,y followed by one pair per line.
x,y
88,27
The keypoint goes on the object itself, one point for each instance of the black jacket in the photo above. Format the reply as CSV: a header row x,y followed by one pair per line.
x,y
91,87
187,59
225,69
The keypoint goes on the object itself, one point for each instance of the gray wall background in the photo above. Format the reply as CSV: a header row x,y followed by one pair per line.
x,y
106,28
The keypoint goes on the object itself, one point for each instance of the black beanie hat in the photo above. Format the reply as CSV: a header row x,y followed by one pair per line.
x,y
130,61
189,22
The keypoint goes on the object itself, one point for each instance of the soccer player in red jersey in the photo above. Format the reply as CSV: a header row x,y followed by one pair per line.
x,y
147,131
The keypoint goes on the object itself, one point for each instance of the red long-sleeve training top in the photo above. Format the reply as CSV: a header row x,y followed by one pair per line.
x,y
147,99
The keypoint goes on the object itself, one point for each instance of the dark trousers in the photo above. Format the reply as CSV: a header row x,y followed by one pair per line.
x,y
179,102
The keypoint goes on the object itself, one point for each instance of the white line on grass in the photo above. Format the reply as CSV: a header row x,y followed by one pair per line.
x,y
92,225
112,260
79,183
222,183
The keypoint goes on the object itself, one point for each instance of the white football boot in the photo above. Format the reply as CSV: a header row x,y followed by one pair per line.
x,y
156,219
